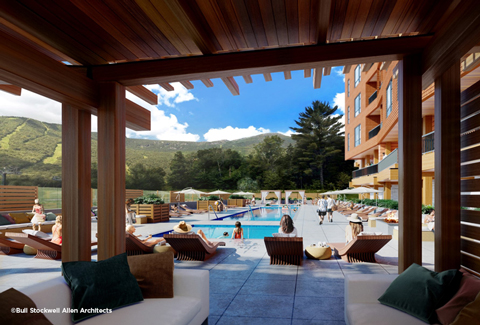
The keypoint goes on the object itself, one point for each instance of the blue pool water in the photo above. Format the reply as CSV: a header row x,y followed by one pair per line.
x,y
274,213
250,232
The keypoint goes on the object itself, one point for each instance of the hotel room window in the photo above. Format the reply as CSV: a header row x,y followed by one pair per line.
x,y
389,98
357,74
358,108
358,138
348,88
348,142
348,115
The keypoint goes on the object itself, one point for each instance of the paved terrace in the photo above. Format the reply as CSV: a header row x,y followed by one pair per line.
x,y
244,287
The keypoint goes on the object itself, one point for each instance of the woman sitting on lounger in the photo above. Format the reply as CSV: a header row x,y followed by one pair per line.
x,y
57,231
286,226
354,228
430,220
147,241
184,228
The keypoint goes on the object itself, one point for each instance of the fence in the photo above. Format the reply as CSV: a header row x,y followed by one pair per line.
x,y
17,197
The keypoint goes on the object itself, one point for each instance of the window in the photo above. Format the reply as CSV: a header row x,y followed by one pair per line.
x,y
348,142
357,75
358,107
348,88
348,115
389,98
358,137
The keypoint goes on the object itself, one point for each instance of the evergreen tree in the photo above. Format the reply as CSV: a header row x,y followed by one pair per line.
x,y
179,172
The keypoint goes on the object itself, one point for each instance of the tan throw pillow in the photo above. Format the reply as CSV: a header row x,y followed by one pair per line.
x,y
470,314
154,274
15,300
20,218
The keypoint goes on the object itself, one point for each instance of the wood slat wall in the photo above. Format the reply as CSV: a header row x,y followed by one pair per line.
x,y
470,173
133,193
17,197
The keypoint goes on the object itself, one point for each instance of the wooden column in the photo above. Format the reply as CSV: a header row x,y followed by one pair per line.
x,y
427,184
76,184
410,161
447,169
427,124
111,171
387,191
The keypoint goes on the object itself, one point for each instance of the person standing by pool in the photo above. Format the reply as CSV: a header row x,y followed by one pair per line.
x,y
237,233
322,209
330,204
287,227
253,200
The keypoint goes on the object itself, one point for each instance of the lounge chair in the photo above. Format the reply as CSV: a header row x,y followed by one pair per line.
x,y
180,212
135,247
171,213
361,248
284,250
191,247
8,247
187,209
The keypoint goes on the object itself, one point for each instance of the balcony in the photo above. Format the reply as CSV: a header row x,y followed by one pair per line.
x,y
373,169
372,97
373,132
428,143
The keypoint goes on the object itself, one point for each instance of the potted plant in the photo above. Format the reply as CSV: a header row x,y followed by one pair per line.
x,y
152,206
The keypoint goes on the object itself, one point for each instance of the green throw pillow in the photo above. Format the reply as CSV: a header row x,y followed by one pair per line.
x,y
419,292
98,286
50,216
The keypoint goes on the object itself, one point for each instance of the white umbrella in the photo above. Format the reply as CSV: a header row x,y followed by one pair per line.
x,y
190,191
218,192
240,193
364,190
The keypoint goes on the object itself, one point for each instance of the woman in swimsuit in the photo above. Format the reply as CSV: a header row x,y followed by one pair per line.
x,y
238,231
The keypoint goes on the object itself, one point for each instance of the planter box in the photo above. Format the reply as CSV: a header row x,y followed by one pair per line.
x,y
154,212
237,202
204,205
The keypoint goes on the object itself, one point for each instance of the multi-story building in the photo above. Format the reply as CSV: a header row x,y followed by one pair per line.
x,y
371,125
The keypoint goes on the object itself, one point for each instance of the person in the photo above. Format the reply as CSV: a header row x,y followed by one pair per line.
x,y
322,209
237,233
39,216
430,221
221,206
147,241
330,204
354,227
129,214
57,231
253,200
185,228
287,227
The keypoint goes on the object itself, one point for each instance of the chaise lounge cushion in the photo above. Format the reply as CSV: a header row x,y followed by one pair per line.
x,y
470,314
408,292
106,284
15,300
4,221
20,218
50,216
9,218
154,274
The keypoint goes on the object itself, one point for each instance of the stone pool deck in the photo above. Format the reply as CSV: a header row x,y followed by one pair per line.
x,y
244,287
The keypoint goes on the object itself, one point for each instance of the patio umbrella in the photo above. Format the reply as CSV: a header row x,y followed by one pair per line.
x,y
189,190
239,193
364,190
218,192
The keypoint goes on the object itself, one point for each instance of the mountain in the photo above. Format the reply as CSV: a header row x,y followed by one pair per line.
x,y
34,148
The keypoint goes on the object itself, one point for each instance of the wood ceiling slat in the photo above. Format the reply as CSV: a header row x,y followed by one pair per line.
x,y
245,23
327,71
383,17
255,15
424,8
304,21
438,16
267,77
268,22
209,10
207,82
166,86
231,85
287,75
352,12
187,84
361,19
314,16
307,73
248,79
292,21
339,14
323,24
233,24
373,15
119,32
57,37
397,14
280,17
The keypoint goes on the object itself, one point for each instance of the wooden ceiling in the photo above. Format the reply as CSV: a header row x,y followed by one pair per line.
x,y
94,32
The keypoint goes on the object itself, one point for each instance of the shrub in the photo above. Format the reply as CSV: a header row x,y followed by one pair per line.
x,y
209,198
236,196
426,209
148,199
309,198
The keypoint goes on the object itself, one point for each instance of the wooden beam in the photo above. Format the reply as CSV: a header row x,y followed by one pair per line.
x,y
317,78
367,67
287,75
207,82
231,85
111,171
137,117
346,69
409,161
11,89
267,76
76,184
307,73
248,79
447,170
327,71
187,84
144,93
385,64
451,41
261,61
166,86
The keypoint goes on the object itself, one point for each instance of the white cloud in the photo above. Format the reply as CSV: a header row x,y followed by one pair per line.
x,y
288,133
230,133
339,100
30,105
169,98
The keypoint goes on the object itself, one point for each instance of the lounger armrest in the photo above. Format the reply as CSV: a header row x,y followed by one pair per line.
x,y
191,283
366,288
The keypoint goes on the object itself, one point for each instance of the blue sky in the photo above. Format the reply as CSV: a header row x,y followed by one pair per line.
x,y
209,114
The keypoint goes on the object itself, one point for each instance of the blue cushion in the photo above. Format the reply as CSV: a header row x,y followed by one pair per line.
x,y
4,221
50,216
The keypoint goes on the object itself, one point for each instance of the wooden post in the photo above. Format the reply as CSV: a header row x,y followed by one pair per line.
x,y
76,184
410,161
447,169
387,191
427,184
111,171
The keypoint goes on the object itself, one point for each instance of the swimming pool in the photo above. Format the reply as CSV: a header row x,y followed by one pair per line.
x,y
249,231
261,214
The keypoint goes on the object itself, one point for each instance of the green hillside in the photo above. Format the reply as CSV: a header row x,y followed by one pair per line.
x,y
34,147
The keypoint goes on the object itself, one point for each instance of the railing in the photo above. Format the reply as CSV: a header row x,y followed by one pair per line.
x,y
373,132
372,97
373,169
428,143
208,209
388,161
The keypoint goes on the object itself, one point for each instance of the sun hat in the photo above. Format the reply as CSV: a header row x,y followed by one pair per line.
x,y
36,201
355,218
182,227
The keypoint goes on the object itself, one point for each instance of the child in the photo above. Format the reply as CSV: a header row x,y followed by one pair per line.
x,y
238,231
39,216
